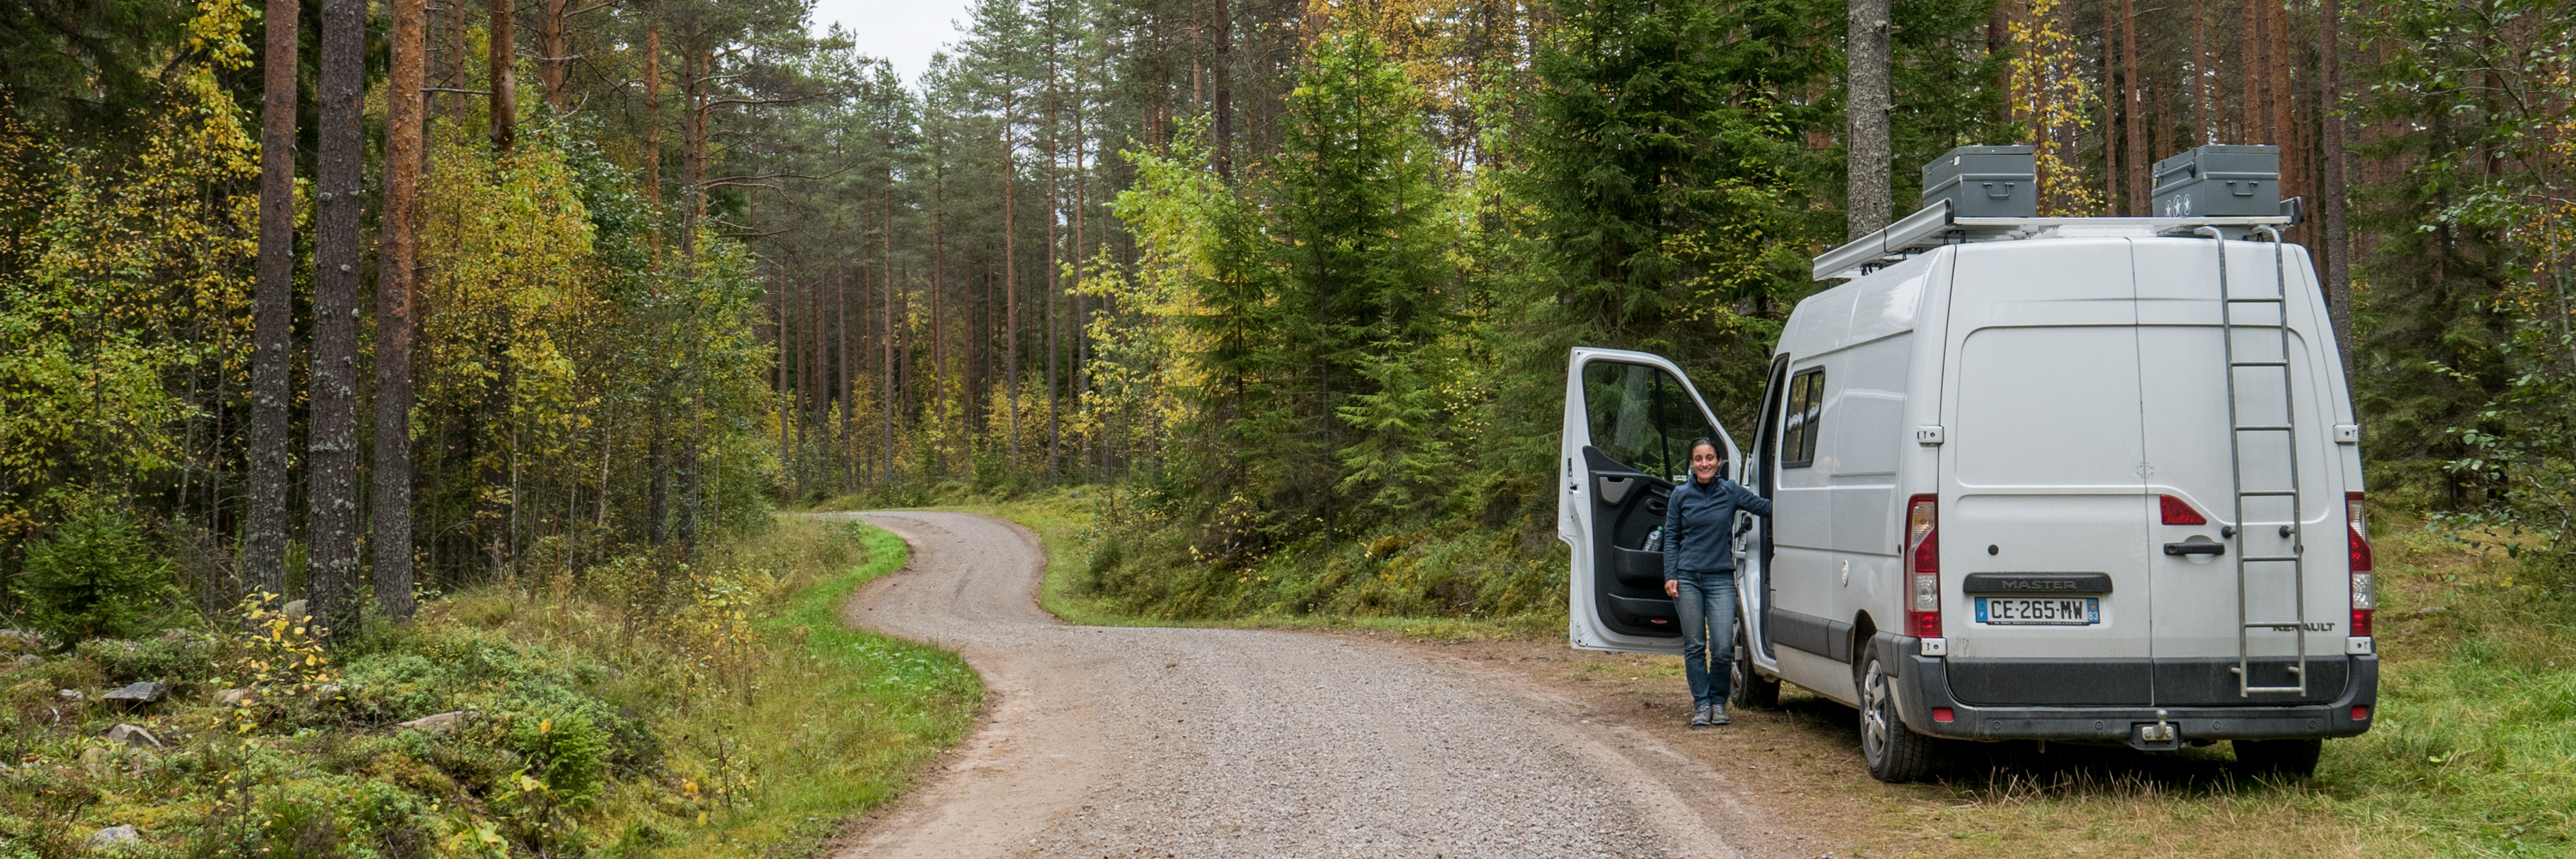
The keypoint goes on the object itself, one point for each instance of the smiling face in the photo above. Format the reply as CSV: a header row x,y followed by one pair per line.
x,y
1704,462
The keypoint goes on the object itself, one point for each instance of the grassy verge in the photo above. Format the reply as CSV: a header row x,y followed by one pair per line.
x,y
638,709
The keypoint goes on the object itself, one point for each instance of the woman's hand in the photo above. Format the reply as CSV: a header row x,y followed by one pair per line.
x,y
1672,589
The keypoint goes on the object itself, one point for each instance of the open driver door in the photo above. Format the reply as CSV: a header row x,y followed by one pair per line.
x,y
1629,420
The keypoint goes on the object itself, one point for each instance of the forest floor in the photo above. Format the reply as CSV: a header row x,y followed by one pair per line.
x,y
716,710
2473,752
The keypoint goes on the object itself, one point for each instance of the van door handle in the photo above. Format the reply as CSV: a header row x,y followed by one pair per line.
x,y
2195,548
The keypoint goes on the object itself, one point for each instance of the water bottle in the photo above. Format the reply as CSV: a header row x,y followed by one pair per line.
x,y
1655,539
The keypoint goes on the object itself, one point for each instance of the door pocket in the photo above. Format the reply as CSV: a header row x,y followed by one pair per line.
x,y
1637,568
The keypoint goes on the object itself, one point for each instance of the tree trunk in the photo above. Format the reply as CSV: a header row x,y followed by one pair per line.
x,y
505,75
938,400
779,390
1224,119
1865,107
843,388
887,258
2276,96
1998,41
693,153
395,281
2330,196
653,133
1011,273
332,525
1054,212
2136,100
273,314
2204,120
2250,112
554,63
2111,96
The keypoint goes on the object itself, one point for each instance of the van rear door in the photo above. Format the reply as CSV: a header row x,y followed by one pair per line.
x,y
2186,390
2045,578
1629,420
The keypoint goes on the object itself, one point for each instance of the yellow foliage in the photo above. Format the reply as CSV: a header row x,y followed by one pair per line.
x,y
2050,92
123,271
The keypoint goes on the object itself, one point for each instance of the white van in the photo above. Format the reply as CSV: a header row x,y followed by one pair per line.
x,y
2008,502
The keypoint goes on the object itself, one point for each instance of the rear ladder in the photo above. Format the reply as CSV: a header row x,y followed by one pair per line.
x,y
2229,324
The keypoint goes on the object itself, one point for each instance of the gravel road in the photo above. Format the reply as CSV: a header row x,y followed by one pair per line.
x,y
1106,741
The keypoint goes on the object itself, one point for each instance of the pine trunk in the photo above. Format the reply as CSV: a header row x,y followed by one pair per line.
x,y
1866,109
2136,99
332,525
1223,107
2203,118
505,75
273,313
2330,192
555,62
405,134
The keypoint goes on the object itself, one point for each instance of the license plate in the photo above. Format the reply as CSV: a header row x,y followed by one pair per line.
x,y
2056,611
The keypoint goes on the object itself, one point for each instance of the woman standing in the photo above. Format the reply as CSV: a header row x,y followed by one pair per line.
x,y
1699,574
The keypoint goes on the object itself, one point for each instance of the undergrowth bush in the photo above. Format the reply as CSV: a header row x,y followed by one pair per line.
x,y
1145,562
634,709
95,574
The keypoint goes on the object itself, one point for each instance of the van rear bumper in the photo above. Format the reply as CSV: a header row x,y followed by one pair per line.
x,y
1923,684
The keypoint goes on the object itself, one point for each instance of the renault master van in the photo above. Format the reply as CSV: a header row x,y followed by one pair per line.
x,y
2074,480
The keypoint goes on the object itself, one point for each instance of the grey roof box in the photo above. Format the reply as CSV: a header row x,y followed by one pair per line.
x,y
1985,182
2219,180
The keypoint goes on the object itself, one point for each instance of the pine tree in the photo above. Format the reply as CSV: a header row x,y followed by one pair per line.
x,y
1365,235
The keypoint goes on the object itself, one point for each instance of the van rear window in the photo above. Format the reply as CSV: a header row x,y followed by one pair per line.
x,y
1806,410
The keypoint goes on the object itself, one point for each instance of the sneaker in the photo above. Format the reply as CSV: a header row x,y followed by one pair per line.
x,y
1699,716
1716,714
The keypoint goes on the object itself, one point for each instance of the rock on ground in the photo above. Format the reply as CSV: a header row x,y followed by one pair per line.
x,y
439,723
133,735
139,693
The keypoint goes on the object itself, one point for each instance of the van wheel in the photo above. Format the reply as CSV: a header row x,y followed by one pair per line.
x,y
1746,687
1896,754
2278,757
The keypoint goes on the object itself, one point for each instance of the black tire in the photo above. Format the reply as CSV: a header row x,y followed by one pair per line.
x,y
1895,753
2297,758
1746,687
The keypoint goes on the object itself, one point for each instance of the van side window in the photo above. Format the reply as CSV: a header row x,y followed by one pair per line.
x,y
1806,409
1642,417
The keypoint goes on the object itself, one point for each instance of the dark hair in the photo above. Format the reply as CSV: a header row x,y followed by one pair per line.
x,y
1712,447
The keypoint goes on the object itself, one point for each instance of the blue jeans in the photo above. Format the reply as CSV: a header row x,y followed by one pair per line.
x,y
1707,609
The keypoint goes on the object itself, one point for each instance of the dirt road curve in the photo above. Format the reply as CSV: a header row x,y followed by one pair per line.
x,y
1215,743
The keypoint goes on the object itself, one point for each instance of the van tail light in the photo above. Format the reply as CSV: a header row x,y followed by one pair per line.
x,y
2179,512
2365,591
1923,551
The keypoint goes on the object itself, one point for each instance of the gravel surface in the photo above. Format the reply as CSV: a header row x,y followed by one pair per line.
x,y
1103,741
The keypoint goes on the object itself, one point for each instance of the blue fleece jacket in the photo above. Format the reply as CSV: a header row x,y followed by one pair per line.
x,y
1699,525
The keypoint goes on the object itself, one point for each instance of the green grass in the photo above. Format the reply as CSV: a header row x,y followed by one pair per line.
x,y
846,718
2473,752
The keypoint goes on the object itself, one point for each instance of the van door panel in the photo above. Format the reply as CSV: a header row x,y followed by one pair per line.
x,y
1629,420
2045,453
2183,385
1805,582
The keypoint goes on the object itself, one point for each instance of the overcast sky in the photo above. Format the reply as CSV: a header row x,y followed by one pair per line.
x,y
905,31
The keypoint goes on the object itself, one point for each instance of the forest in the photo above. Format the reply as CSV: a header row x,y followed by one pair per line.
x,y
522,318
1284,279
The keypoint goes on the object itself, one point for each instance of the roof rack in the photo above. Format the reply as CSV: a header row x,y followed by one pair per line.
x,y
1934,226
